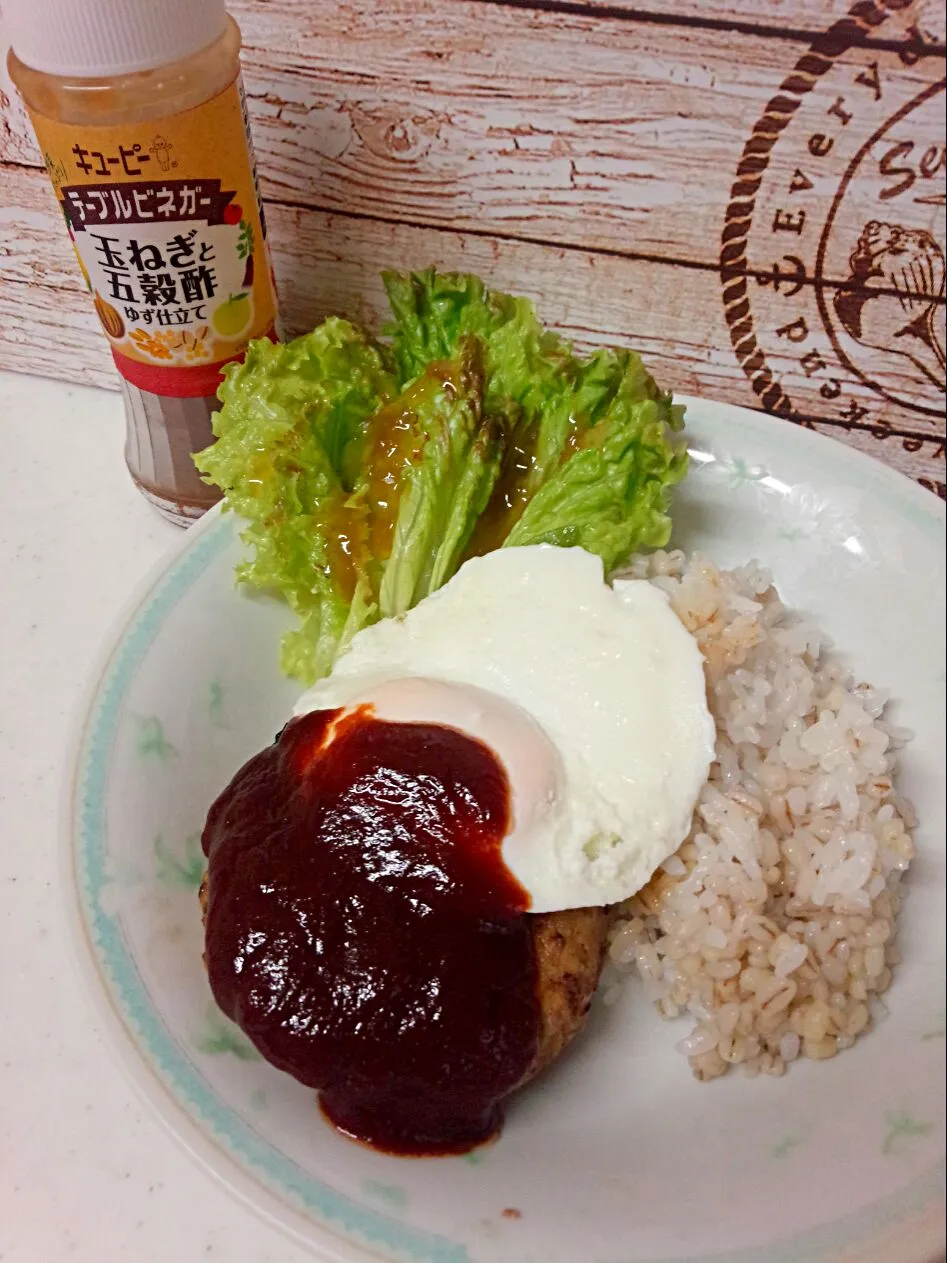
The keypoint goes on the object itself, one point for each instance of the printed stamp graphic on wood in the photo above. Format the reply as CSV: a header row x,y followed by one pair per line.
x,y
589,155
835,277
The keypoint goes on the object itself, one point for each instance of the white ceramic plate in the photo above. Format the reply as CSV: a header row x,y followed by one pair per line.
x,y
617,1155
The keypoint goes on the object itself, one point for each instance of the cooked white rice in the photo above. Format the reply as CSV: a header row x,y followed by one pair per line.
x,y
773,925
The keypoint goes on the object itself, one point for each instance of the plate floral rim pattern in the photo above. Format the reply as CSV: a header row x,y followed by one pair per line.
x,y
350,1223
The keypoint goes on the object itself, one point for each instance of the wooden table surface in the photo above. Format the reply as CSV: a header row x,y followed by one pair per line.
x,y
750,192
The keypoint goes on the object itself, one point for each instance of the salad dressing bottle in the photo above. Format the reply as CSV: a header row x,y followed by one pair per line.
x,y
139,112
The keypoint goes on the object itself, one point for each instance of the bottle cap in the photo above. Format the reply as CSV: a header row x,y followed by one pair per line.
x,y
91,39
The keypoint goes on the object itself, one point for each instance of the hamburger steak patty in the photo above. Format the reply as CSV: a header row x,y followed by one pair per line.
x,y
570,951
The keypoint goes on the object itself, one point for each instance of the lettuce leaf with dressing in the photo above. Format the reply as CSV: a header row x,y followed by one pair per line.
x,y
368,471
446,482
359,499
562,408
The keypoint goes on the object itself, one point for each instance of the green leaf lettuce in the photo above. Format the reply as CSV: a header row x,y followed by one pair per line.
x,y
359,500
368,472
290,434
590,458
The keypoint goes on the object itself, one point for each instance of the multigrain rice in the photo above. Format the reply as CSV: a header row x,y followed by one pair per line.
x,y
773,925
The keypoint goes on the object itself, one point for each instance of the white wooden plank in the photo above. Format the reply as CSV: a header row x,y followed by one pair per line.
x,y
794,19
672,314
597,132
57,339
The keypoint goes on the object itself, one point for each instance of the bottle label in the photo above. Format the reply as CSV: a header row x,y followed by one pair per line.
x,y
167,224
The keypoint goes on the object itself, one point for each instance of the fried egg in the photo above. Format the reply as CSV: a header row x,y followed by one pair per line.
x,y
591,695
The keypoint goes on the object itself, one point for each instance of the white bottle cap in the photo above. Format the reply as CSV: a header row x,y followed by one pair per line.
x,y
91,39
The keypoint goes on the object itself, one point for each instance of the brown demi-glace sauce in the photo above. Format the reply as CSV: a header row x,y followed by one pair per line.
x,y
364,931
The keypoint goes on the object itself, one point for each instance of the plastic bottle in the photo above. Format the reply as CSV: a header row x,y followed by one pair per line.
x,y
139,112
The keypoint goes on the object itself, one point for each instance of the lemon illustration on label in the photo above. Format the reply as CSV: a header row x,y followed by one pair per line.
x,y
233,316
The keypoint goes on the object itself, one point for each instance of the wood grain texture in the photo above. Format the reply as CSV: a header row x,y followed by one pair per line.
x,y
697,184
787,19
600,133
672,316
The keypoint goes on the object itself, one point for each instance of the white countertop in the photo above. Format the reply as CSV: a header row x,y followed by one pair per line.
x,y
87,1173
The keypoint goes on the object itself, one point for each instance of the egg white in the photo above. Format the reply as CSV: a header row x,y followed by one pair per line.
x,y
591,695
